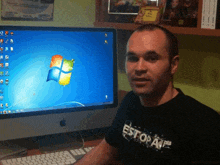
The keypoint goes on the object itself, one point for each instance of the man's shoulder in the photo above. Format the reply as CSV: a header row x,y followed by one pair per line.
x,y
196,104
193,106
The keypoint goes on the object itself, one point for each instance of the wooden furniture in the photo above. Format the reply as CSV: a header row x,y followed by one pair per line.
x,y
102,18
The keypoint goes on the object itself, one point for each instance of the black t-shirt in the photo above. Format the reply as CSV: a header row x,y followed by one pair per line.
x,y
179,131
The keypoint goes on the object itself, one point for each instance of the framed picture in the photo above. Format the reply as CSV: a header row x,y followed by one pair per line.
x,y
180,13
148,14
29,10
129,7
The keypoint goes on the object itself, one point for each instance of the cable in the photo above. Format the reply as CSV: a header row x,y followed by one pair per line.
x,y
82,140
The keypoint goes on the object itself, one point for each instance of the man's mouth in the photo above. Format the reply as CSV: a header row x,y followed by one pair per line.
x,y
140,81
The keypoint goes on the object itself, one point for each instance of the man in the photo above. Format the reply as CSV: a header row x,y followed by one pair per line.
x,y
156,123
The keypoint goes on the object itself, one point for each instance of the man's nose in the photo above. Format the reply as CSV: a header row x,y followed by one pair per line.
x,y
141,65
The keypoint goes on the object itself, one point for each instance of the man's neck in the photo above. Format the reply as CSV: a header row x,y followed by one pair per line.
x,y
156,100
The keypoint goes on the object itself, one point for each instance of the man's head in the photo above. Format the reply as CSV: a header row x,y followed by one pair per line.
x,y
174,3
151,59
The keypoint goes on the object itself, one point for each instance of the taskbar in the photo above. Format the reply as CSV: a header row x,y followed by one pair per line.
x,y
61,107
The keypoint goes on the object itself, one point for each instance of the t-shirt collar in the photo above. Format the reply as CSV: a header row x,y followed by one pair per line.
x,y
180,94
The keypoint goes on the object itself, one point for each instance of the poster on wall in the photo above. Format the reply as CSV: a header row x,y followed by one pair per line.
x,y
27,10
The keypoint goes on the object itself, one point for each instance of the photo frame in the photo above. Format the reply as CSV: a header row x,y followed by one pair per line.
x,y
148,14
129,7
180,13
30,10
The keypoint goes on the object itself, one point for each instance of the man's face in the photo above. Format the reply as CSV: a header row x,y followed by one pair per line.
x,y
175,3
147,62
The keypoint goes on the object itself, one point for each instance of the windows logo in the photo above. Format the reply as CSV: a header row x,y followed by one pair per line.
x,y
61,70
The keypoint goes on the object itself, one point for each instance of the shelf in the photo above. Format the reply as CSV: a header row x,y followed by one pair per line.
x,y
177,30
124,26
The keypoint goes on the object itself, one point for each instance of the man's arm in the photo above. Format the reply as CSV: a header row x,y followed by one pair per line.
x,y
103,154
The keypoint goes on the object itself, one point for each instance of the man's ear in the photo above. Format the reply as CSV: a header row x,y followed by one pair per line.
x,y
174,64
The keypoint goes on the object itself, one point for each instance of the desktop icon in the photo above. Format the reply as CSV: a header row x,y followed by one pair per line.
x,y
6,57
1,49
12,49
6,105
6,49
1,73
6,41
12,33
1,105
6,64
1,41
1,81
1,90
1,33
6,73
11,41
61,70
1,65
6,81
6,33
1,57
1,97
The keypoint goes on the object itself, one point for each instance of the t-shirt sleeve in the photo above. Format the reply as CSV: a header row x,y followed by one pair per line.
x,y
114,134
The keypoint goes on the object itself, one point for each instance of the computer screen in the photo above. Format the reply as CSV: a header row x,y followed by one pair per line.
x,y
56,70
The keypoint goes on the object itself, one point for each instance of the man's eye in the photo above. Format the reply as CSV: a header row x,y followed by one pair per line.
x,y
152,59
132,59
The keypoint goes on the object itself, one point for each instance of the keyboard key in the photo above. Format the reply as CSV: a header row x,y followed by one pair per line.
x,y
59,158
63,157
78,152
77,157
82,151
73,152
86,149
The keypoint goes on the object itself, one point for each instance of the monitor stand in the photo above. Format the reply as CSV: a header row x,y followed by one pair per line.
x,y
65,141
58,142
49,143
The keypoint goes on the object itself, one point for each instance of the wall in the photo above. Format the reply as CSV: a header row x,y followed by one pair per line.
x,y
78,13
198,74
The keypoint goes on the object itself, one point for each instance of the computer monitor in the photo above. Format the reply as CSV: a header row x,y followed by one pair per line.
x,y
56,79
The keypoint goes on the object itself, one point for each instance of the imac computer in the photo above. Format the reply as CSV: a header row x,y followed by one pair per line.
x,y
56,80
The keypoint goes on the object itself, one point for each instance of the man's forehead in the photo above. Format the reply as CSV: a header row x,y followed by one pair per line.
x,y
156,34
156,38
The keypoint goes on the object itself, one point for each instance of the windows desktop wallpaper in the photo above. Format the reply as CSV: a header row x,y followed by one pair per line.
x,y
47,70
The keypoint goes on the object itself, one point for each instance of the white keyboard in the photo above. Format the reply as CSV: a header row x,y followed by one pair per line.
x,y
55,158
